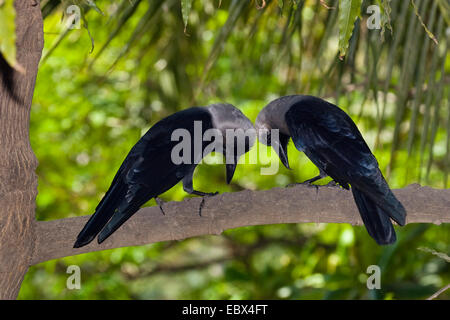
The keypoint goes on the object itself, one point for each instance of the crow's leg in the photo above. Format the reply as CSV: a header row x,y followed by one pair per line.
x,y
310,181
188,187
204,194
333,184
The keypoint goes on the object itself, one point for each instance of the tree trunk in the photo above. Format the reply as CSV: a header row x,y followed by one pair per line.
x,y
18,181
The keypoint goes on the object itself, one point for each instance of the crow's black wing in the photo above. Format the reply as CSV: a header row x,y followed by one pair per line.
x,y
330,138
146,172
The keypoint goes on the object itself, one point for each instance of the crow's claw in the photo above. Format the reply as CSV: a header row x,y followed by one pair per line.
x,y
160,203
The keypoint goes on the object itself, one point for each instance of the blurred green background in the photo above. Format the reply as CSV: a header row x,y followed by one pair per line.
x,y
90,108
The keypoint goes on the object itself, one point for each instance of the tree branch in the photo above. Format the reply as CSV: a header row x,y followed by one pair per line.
x,y
300,204
437,294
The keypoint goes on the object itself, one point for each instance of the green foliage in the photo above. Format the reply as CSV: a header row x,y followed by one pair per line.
x,y
89,109
445,10
8,33
281,4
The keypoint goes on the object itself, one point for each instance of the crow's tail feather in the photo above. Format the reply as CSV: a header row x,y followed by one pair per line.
x,y
123,213
377,189
101,216
376,220
395,209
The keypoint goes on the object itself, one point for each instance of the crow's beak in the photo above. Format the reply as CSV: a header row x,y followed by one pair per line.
x,y
281,149
230,170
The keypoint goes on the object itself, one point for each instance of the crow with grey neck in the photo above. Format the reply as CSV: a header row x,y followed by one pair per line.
x,y
331,140
150,170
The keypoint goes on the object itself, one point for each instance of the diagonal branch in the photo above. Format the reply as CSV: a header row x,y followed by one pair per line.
x,y
300,204
437,294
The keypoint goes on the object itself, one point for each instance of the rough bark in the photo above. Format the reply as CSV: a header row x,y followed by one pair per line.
x,y
301,204
18,181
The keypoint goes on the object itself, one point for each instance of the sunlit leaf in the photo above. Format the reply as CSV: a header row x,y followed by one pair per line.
x,y
185,10
349,11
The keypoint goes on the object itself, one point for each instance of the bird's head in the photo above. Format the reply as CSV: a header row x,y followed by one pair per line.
x,y
272,130
237,132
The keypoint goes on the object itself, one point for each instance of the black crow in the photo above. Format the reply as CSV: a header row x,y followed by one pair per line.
x,y
153,165
331,140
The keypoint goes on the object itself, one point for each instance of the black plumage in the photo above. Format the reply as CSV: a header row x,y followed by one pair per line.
x,y
149,170
331,140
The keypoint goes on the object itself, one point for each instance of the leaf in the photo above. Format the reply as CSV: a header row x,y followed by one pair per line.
x,y
185,10
444,7
92,4
85,25
349,11
8,34
430,34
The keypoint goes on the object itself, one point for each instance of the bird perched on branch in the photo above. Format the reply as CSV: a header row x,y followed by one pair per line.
x,y
331,140
159,161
